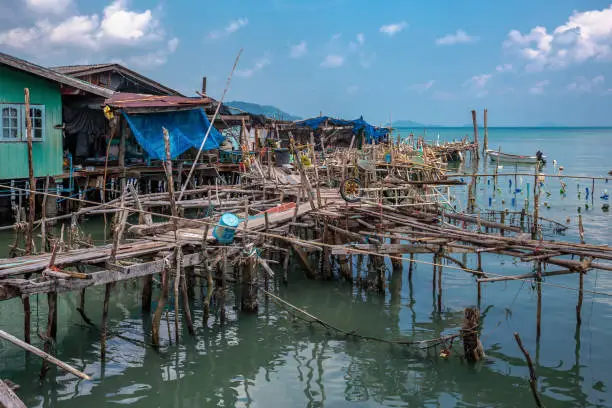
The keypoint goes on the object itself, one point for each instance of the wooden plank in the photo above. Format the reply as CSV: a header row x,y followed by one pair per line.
x,y
8,398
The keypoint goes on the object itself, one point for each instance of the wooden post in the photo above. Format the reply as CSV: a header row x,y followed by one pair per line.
x,y
410,267
581,275
104,330
249,281
32,209
536,202
475,124
316,169
539,307
485,145
51,335
472,347
440,285
533,380
184,295
27,313
177,279
161,304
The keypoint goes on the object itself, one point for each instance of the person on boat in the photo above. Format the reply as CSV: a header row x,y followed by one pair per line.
x,y
540,156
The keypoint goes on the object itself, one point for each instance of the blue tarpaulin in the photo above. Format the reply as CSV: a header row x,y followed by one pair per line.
x,y
373,134
186,129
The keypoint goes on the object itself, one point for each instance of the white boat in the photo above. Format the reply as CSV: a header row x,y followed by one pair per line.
x,y
497,156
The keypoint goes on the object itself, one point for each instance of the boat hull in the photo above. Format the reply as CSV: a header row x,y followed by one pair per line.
x,y
496,156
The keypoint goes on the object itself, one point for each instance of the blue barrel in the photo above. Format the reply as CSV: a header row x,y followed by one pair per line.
x,y
225,235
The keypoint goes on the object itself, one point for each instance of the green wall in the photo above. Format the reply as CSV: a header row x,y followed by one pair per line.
x,y
48,153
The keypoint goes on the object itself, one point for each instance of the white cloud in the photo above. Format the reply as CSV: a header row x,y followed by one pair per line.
x,y
258,66
585,36
48,6
477,84
392,29
360,38
585,85
333,61
422,88
230,28
117,29
538,88
504,68
299,50
155,58
121,24
460,37
478,81
352,89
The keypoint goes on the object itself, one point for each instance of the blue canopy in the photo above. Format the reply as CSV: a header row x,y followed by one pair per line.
x,y
373,134
186,129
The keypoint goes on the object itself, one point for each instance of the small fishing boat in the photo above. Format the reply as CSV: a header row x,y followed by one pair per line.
x,y
497,156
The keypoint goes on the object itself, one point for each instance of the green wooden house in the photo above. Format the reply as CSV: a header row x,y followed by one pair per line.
x,y
47,90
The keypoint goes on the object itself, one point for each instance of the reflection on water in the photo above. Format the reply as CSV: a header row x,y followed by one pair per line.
x,y
275,360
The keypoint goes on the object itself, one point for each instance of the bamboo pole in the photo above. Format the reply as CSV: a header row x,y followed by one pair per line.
x,y
45,356
219,103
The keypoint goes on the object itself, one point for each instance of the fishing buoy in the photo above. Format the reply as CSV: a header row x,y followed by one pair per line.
x,y
605,207
568,220
604,196
560,168
513,202
554,163
510,183
490,201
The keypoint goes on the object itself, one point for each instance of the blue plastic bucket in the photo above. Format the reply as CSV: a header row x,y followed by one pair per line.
x,y
225,235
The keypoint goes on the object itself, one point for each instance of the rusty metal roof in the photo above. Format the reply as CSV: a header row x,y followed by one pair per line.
x,y
51,75
122,100
83,70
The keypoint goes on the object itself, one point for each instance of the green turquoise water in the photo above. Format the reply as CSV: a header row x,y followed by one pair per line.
x,y
273,360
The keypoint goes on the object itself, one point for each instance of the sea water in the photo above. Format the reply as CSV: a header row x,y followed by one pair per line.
x,y
272,359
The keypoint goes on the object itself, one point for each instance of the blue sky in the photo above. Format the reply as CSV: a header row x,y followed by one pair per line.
x,y
527,62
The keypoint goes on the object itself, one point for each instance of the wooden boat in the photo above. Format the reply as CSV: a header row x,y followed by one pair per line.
x,y
497,156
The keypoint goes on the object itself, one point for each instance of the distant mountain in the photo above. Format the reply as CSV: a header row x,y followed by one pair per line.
x,y
408,123
256,109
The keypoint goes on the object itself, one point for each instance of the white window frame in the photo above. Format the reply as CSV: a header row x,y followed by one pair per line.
x,y
42,123
19,122
22,126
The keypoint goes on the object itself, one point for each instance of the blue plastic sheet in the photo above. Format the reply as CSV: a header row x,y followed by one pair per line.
x,y
372,134
186,130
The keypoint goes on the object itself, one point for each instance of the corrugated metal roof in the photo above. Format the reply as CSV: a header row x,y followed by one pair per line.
x,y
74,69
124,100
82,70
51,75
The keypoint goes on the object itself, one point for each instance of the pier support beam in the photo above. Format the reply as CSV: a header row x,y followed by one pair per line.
x,y
249,288
472,347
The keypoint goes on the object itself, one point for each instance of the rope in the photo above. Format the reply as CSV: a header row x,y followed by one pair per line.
x,y
311,243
